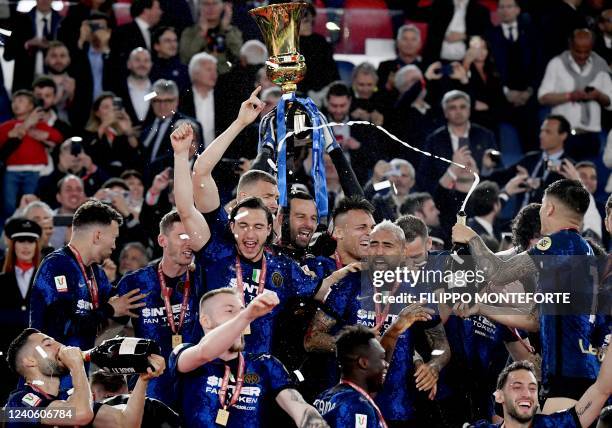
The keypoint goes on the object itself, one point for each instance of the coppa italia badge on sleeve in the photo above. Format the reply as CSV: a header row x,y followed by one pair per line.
x,y
61,284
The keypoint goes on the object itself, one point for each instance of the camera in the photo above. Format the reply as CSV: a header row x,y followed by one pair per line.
x,y
94,26
39,103
554,165
446,70
117,103
75,148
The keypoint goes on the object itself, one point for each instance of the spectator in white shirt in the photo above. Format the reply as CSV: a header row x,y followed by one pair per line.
x,y
577,85
203,74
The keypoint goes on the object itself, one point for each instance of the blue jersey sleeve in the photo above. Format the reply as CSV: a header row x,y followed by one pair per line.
x,y
355,413
277,374
174,357
342,295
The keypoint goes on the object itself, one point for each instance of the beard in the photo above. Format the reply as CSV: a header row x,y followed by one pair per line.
x,y
51,367
512,411
237,348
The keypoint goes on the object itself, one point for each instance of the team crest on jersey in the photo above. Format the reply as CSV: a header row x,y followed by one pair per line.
x,y
544,243
31,399
61,284
251,378
277,279
361,421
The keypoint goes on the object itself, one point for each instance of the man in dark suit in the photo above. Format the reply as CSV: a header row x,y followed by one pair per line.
x,y
448,35
91,68
447,140
155,139
136,34
27,44
483,208
513,47
544,166
408,44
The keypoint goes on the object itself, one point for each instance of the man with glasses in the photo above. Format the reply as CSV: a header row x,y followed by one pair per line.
x,y
166,62
156,139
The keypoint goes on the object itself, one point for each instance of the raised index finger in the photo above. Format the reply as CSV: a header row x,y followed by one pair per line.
x,y
256,91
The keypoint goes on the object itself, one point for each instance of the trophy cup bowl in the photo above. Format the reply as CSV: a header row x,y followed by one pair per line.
x,y
280,27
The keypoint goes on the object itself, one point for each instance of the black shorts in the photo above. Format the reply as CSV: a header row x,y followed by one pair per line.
x,y
569,387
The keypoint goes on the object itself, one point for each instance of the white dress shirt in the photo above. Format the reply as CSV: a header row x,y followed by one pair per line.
x,y
455,138
205,114
23,279
510,30
40,60
558,80
137,96
455,51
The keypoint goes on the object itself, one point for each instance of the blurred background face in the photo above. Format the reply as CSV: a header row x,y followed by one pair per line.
x,y
167,47
588,176
44,219
480,47
131,259
403,182
550,138
21,105
105,109
306,26
25,249
338,107
457,112
153,15
430,213
136,187
205,74
140,63
409,43
364,85
164,105
508,11
57,59
211,10
46,94
71,195
302,221
581,48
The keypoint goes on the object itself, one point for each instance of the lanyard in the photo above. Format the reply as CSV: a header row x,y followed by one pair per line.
x,y
382,316
338,259
262,277
225,382
357,388
40,391
92,285
167,292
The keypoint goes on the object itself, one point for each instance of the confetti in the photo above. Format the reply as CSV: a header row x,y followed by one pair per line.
x,y
5,32
37,382
437,352
76,139
241,215
41,351
394,188
150,96
183,236
299,375
382,185
272,164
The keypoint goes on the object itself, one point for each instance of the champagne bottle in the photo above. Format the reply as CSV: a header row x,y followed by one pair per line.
x,y
123,355
460,248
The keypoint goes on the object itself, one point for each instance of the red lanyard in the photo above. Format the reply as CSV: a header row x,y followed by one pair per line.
x,y
40,391
357,388
237,388
339,264
382,316
92,285
262,277
167,292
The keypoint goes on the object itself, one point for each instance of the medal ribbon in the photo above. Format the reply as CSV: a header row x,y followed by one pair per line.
x,y
167,292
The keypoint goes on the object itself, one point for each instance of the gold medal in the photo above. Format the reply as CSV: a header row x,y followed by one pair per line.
x,y
222,417
247,330
177,339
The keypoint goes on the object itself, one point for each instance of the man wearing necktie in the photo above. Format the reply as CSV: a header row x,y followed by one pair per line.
x,y
28,43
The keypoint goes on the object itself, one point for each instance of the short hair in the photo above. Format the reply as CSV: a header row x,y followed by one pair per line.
x,y
253,203
387,225
484,198
364,68
163,86
16,346
351,203
129,173
212,293
57,44
65,178
111,382
24,93
103,95
413,227
571,193
197,59
407,27
586,164
526,226
397,163
167,222
453,95
414,202
36,204
352,340
160,32
300,194
100,15
95,213
138,6
338,89
517,365
138,50
253,176
581,32
115,182
254,52
564,125
44,82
